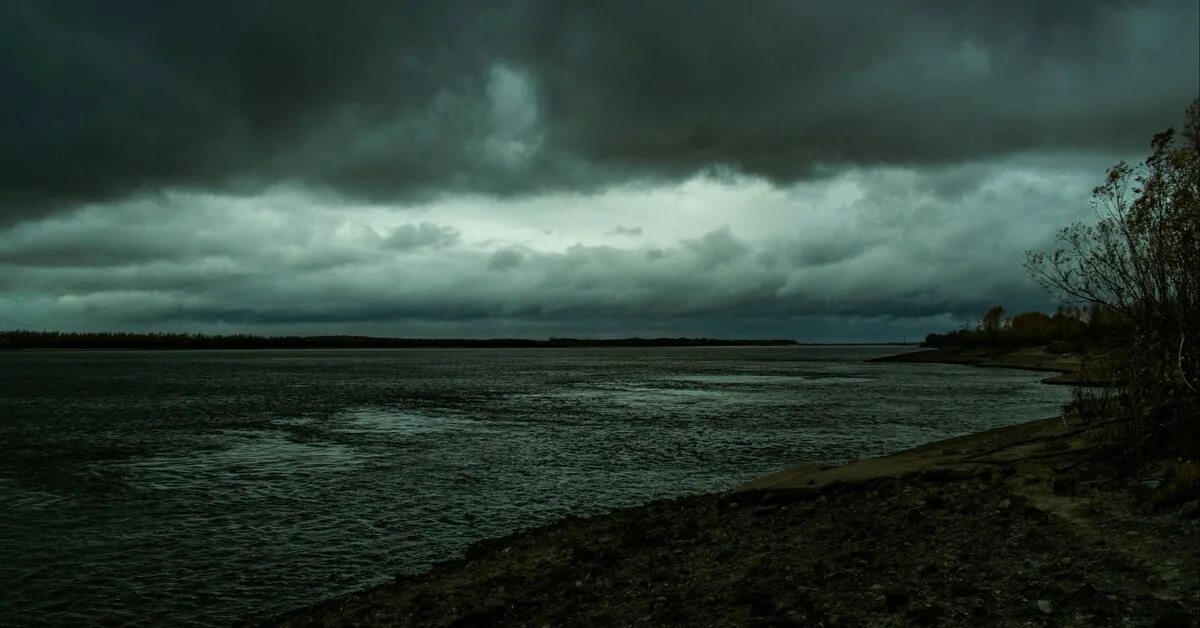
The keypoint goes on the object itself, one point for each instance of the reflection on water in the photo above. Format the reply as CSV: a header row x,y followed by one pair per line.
x,y
199,488
384,422
797,380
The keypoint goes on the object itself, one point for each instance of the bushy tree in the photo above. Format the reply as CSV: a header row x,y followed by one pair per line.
x,y
992,321
1140,262
1033,326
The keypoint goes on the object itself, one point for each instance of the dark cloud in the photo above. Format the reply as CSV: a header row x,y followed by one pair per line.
x,y
402,100
779,88
105,100
505,259
82,249
411,237
717,247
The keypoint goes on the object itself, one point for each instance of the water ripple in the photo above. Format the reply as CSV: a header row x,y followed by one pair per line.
x,y
196,488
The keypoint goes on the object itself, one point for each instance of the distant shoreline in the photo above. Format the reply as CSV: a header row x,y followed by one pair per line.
x,y
1073,369
50,341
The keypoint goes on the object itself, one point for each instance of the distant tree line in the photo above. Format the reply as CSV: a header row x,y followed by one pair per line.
x,y
24,339
1071,328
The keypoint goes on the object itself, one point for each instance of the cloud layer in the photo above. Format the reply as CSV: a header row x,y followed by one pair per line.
x,y
791,169
888,245
392,101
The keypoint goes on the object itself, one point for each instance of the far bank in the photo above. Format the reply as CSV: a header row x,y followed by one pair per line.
x,y
1073,368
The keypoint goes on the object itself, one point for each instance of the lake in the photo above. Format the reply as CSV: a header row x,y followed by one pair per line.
x,y
199,488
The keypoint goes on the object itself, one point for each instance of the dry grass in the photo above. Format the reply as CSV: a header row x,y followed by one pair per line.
x,y
1181,483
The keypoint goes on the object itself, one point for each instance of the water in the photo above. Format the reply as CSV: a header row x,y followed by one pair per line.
x,y
205,487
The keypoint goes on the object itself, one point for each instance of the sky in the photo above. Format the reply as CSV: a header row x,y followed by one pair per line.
x,y
811,170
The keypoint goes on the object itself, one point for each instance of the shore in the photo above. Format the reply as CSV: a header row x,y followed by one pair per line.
x,y
1020,525
1072,368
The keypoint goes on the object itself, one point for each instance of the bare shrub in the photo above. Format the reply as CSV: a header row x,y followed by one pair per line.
x,y
1140,262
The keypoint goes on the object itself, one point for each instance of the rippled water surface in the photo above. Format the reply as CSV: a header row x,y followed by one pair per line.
x,y
205,487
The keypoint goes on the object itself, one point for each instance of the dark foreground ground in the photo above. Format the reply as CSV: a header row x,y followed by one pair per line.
x,y
1010,527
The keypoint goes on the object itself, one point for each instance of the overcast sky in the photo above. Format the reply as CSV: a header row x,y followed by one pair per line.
x,y
809,170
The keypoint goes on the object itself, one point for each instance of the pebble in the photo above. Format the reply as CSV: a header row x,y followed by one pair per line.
x,y
1045,606
895,600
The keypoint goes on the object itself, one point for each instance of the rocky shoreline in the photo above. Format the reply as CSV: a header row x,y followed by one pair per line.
x,y
1013,526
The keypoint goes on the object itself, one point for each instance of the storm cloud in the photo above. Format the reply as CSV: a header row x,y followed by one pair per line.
x,y
540,167
386,100
836,248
